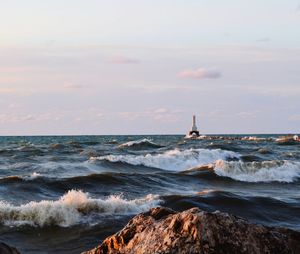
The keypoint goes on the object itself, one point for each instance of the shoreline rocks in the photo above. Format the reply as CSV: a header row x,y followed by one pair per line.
x,y
162,230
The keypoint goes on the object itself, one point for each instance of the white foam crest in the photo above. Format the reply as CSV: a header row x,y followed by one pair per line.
x,y
266,171
71,208
176,159
253,138
137,142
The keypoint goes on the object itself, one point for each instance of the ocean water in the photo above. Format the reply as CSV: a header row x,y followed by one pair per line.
x,y
65,194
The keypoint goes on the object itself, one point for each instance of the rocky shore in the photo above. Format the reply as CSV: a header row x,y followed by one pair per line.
x,y
162,230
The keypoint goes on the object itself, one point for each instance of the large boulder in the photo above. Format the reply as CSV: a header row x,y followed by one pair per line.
x,y
162,230
5,249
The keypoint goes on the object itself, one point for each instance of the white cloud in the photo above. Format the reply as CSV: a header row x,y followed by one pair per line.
x,y
123,60
19,118
248,114
14,105
11,118
159,114
200,73
221,114
295,117
282,91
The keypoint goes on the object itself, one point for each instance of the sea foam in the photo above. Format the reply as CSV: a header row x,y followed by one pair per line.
x,y
141,143
266,171
71,209
176,159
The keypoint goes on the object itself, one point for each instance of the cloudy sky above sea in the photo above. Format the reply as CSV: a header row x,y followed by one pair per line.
x,y
145,67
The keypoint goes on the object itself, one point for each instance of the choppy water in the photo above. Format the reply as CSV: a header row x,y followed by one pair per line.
x,y
65,194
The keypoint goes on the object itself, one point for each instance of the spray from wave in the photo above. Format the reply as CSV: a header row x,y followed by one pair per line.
x,y
71,209
266,171
174,159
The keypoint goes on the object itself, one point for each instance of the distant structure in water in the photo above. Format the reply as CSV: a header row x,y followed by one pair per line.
x,y
194,131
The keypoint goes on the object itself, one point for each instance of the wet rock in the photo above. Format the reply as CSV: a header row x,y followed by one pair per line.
x,y
5,249
162,230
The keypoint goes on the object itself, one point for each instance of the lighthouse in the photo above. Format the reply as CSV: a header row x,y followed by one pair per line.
x,y
194,131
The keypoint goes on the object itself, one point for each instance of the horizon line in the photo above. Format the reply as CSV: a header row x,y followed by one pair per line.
x,y
207,134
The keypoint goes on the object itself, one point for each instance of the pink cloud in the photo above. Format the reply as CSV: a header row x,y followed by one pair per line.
x,y
160,114
7,90
123,60
11,118
200,73
295,117
71,85
18,118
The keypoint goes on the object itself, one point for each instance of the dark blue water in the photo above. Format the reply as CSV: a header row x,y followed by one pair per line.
x,y
66,194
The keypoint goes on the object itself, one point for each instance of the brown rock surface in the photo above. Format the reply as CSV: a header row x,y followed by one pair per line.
x,y
5,249
162,230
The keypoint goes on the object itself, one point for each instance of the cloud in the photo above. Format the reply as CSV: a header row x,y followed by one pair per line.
x,y
122,60
72,86
298,8
7,90
248,114
158,114
295,118
222,114
10,118
14,105
14,117
200,73
286,91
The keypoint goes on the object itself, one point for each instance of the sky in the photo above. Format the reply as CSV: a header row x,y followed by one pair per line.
x,y
71,67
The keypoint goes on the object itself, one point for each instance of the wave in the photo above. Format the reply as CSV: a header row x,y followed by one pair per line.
x,y
112,180
254,138
56,146
28,146
140,144
71,209
266,171
259,209
176,159
16,178
32,176
36,178
12,178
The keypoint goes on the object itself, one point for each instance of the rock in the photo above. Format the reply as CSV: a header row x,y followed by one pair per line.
x,y
162,230
5,249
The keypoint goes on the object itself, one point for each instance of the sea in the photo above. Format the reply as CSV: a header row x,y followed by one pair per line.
x,y
65,194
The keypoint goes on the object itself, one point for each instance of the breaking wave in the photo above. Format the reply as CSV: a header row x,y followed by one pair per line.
x,y
140,144
266,171
174,159
11,179
71,209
